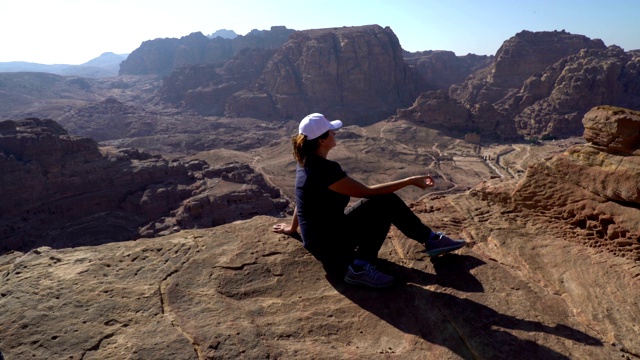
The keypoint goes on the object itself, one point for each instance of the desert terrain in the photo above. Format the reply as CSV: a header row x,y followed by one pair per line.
x,y
136,216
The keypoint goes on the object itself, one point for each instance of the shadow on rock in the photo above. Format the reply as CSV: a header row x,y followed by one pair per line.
x,y
469,329
453,272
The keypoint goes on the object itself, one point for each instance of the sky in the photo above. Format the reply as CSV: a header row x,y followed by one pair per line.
x,y
76,31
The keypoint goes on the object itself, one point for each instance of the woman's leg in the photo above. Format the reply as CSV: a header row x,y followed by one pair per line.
x,y
369,221
335,255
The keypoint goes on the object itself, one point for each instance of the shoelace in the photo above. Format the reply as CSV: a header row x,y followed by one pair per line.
x,y
371,271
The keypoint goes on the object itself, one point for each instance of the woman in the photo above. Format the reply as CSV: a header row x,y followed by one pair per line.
x,y
347,240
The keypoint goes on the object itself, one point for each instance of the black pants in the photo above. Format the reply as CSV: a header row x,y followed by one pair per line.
x,y
366,227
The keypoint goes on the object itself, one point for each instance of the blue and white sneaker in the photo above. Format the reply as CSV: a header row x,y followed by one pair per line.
x,y
440,244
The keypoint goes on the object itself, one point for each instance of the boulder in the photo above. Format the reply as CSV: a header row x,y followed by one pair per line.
x,y
617,129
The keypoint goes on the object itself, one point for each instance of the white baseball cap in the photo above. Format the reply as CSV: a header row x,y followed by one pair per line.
x,y
314,125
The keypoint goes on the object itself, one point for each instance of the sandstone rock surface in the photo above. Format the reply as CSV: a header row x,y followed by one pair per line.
x,y
240,291
599,182
613,128
551,271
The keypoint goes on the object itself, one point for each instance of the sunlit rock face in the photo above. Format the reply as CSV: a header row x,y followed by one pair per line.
x,y
541,84
355,73
594,187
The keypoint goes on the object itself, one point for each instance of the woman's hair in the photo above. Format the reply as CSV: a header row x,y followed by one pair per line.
x,y
302,147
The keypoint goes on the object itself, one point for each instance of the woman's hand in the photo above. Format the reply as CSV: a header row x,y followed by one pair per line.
x,y
422,181
283,228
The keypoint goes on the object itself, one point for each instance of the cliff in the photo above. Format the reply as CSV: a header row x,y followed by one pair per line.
x,y
355,73
539,85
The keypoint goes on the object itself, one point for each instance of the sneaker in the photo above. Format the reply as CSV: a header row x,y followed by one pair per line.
x,y
369,276
441,244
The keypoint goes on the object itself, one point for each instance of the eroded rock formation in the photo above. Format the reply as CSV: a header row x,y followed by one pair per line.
x,y
518,58
328,71
539,85
355,73
598,184
553,102
62,190
206,88
108,119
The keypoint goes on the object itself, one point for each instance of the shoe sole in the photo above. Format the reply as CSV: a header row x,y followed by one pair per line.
x,y
441,251
362,283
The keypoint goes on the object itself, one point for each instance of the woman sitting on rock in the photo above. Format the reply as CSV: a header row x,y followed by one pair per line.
x,y
347,240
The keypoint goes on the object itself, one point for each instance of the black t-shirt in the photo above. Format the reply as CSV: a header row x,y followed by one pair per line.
x,y
320,210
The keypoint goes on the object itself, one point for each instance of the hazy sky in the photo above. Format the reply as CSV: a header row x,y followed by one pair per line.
x,y
76,31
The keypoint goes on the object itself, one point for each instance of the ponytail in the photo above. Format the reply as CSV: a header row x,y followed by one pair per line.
x,y
303,147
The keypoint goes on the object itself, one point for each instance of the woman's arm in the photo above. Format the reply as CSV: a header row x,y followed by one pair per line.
x,y
282,228
352,187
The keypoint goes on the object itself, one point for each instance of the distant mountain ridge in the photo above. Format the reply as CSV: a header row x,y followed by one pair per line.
x,y
163,55
223,33
537,86
105,65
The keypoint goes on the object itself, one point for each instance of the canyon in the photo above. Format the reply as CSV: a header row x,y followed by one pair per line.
x,y
136,210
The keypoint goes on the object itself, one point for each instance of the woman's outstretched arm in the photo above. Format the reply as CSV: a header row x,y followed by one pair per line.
x,y
352,187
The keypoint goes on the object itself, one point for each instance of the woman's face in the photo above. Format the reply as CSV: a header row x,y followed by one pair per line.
x,y
331,140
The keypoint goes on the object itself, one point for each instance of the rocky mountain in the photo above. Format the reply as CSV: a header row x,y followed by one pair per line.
x,y
553,102
161,56
269,84
64,191
223,88
550,271
355,73
539,85
206,88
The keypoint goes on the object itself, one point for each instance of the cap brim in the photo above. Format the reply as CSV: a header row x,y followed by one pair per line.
x,y
336,124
